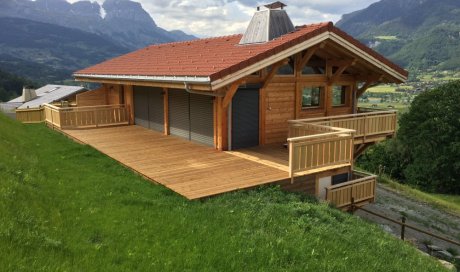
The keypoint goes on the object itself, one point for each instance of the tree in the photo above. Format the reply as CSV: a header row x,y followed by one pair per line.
x,y
430,134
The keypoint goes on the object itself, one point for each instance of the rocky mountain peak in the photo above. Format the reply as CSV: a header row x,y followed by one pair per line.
x,y
128,11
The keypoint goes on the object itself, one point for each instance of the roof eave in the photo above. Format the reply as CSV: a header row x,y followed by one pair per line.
x,y
163,79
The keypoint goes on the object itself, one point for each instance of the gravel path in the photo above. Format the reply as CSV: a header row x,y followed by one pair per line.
x,y
394,205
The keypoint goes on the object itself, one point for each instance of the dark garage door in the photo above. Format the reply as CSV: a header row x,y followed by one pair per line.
x,y
148,107
191,116
245,118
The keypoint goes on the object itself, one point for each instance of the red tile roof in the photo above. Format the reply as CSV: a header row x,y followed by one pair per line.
x,y
213,57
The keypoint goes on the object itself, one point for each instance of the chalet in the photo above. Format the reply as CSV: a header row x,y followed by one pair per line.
x,y
277,104
29,106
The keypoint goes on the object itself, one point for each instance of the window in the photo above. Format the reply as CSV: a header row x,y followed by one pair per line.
x,y
316,66
286,70
339,95
311,97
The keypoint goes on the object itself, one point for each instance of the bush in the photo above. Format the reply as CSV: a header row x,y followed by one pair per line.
x,y
426,152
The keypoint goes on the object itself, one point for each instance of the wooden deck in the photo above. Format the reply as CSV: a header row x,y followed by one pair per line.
x,y
192,170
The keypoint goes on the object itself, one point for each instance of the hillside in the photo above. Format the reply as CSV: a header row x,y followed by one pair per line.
x,y
66,207
417,34
11,85
48,53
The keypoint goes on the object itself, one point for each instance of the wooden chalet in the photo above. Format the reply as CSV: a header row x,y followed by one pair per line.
x,y
275,105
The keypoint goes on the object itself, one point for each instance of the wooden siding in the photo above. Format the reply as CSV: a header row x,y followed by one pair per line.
x,y
279,108
92,98
30,115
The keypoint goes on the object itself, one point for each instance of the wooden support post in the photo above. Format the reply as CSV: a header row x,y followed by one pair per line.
x,y
222,128
403,227
166,110
129,102
262,112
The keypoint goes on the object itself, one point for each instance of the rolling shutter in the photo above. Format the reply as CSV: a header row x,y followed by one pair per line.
x,y
156,111
179,117
141,107
245,118
201,119
148,108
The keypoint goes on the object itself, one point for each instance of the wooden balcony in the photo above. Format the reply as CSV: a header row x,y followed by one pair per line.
x,y
360,190
86,117
369,126
314,148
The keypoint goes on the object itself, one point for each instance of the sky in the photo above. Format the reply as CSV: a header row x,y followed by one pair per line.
x,y
200,17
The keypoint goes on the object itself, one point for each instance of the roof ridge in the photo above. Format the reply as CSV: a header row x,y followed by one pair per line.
x,y
194,41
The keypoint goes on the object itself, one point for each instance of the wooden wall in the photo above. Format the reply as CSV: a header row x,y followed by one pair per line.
x,y
283,102
92,98
279,107
305,185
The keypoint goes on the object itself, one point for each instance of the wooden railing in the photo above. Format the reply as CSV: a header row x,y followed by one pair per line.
x,y
313,148
30,115
367,125
361,190
86,117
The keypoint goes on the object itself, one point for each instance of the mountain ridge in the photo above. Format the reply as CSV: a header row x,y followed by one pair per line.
x,y
417,34
123,21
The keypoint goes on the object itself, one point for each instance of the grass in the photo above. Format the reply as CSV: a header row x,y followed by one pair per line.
x,y
67,207
382,89
449,203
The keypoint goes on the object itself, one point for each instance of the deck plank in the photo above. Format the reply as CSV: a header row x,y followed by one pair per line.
x,y
191,170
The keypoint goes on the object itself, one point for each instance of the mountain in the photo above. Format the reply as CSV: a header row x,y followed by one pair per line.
x,y
417,34
49,53
124,22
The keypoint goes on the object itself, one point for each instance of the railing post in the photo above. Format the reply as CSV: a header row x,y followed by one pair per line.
x,y
403,227
352,208
291,163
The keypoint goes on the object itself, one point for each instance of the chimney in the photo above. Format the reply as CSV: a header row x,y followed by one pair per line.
x,y
28,93
269,22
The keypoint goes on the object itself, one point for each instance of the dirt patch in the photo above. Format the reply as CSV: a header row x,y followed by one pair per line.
x,y
396,205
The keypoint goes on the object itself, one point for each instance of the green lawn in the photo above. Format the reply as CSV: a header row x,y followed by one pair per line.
x,y
66,207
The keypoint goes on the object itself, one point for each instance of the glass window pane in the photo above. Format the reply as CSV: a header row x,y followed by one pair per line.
x,y
311,97
339,95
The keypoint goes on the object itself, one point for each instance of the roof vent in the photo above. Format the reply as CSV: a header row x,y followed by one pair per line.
x,y
28,93
269,22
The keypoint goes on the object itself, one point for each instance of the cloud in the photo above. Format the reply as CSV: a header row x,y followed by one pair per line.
x,y
223,17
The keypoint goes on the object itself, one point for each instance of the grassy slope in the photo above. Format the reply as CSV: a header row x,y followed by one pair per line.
x,y
67,207
450,203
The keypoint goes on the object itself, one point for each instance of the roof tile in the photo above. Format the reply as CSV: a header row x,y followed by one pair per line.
x,y
214,57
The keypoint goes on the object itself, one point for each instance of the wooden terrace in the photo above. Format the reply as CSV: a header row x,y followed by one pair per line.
x,y
196,171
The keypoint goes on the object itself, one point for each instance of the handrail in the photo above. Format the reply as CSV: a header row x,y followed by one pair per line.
x,y
337,117
86,117
308,137
348,183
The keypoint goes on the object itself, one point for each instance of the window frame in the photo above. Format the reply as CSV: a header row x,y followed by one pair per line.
x,y
346,91
322,91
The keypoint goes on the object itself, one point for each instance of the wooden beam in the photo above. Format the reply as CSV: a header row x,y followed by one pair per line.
x,y
371,81
129,102
272,73
344,65
262,113
166,110
308,55
230,93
